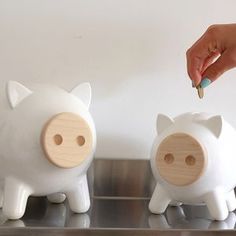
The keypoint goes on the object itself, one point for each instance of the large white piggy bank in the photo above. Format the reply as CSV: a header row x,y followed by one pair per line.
x,y
193,160
47,142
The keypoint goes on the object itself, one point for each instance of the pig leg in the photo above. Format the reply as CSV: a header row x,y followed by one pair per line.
x,y
159,201
15,198
78,196
231,201
216,204
56,197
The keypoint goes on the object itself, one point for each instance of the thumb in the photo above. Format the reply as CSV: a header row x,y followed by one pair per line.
x,y
225,62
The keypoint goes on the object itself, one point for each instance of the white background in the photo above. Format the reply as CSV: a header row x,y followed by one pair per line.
x,y
131,51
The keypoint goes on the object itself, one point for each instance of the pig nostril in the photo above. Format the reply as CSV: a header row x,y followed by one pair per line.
x,y
190,160
58,139
169,158
80,140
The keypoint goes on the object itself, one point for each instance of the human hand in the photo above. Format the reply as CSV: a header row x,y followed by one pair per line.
x,y
212,55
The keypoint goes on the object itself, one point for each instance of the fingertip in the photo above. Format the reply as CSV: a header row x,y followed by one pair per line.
x,y
205,82
196,79
194,74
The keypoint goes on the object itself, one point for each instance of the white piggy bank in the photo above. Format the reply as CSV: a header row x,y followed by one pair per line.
x,y
47,142
193,160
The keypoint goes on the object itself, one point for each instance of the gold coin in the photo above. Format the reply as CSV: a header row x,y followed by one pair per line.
x,y
200,91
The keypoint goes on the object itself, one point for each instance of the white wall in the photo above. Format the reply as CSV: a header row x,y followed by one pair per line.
x,y
132,52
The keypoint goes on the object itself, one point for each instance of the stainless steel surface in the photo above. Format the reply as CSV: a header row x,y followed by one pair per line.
x,y
121,192
123,178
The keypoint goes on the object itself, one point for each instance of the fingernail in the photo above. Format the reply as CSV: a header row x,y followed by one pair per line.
x,y
193,84
205,82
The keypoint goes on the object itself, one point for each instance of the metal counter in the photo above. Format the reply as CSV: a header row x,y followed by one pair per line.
x,y
120,191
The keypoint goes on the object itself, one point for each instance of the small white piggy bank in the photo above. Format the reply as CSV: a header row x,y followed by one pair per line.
x,y
47,142
193,160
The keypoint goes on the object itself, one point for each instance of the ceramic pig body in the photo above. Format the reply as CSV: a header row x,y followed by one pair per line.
x,y
193,160
47,142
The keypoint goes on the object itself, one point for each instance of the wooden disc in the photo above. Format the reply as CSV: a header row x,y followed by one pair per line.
x,y
66,140
180,159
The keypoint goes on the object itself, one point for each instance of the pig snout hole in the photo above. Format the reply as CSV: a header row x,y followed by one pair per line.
x,y
190,160
169,158
58,139
80,140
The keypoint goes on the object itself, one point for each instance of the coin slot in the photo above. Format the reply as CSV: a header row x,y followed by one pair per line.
x,y
80,140
58,139
169,158
190,160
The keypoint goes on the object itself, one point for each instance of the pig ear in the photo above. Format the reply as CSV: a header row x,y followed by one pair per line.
x,y
163,122
84,93
215,124
16,92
